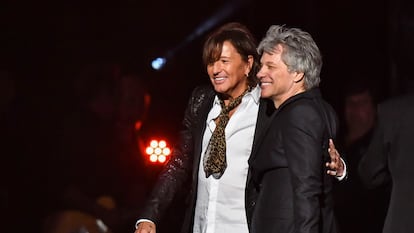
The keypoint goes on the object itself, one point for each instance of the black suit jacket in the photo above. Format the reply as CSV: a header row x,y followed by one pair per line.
x,y
184,163
293,189
390,158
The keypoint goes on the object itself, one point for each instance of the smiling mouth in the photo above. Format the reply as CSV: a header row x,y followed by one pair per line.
x,y
219,80
265,84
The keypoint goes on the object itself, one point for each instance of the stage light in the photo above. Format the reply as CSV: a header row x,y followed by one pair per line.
x,y
158,151
158,63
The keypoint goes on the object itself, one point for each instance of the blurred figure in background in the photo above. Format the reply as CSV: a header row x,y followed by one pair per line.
x,y
359,110
389,159
357,209
102,170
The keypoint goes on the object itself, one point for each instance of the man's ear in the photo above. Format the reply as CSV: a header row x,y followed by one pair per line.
x,y
299,77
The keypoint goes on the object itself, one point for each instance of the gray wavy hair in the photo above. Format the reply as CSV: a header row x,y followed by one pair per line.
x,y
300,52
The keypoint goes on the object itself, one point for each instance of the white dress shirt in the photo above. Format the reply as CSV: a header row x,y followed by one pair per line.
x,y
220,202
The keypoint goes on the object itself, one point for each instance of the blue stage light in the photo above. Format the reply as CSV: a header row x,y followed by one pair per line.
x,y
158,63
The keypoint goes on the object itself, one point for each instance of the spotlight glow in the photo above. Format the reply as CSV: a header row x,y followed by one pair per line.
x,y
158,63
158,151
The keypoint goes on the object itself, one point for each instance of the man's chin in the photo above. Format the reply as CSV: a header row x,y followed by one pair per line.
x,y
264,95
220,88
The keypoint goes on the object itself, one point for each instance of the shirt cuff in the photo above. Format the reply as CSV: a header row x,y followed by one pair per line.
x,y
344,173
142,220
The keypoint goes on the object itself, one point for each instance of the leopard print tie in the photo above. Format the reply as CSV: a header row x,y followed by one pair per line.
x,y
215,156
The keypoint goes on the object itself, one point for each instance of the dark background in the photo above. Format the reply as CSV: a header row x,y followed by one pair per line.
x,y
45,44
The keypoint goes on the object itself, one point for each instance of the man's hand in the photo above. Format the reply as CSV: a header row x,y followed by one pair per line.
x,y
146,227
336,166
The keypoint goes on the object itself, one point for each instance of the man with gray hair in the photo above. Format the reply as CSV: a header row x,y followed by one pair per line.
x,y
293,194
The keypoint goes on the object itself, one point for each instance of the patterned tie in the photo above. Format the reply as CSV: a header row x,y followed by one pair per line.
x,y
215,156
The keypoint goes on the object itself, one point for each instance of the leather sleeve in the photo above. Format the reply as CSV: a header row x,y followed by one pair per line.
x,y
179,168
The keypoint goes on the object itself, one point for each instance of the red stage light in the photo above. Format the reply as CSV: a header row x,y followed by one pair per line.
x,y
158,151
